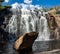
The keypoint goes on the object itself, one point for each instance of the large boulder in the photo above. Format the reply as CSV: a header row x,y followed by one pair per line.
x,y
25,42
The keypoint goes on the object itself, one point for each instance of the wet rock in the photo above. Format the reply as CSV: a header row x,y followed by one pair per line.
x,y
55,51
54,25
51,21
57,33
3,35
24,43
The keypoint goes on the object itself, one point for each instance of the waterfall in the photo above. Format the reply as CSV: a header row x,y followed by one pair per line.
x,y
43,30
26,20
27,23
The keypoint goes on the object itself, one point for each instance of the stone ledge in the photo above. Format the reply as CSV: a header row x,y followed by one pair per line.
x,y
55,51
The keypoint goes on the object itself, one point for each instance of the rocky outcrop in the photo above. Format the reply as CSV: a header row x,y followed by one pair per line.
x,y
55,51
57,19
57,33
3,35
24,43
4,13
51,21
54,25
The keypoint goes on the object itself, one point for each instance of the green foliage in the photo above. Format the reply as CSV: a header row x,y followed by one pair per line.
x,y
1,0
8,6
51,30
2,7
45,9
58,12
57,8
50,8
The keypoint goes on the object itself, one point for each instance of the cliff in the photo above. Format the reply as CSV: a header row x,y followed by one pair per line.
x,y
53,18
5,14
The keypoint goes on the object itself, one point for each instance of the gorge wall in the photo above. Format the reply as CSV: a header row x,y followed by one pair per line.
x,y
54,25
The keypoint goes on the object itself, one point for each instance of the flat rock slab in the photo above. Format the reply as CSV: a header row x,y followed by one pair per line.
x,y
56,51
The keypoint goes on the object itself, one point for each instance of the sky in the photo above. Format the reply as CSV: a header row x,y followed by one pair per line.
x,y
44,3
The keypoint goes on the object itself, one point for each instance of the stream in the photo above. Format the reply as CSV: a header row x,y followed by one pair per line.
x,y
38,46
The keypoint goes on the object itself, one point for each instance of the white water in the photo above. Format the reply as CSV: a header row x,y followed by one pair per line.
x,y
29,21
43,30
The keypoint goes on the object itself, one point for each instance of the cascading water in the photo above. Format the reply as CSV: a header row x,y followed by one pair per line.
x,y
28,20
43,29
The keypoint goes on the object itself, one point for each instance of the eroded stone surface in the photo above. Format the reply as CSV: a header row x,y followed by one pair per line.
x,y
25,41
56,51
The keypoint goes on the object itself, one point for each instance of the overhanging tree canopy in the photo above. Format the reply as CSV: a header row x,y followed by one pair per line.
x,y
1,0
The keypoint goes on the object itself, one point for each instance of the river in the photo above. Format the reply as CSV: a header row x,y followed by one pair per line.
x,y
39,46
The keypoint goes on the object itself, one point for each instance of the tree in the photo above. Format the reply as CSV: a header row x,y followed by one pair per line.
x,y
1,0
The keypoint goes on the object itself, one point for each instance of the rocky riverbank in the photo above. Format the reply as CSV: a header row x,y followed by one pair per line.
x,y
55,51
53,19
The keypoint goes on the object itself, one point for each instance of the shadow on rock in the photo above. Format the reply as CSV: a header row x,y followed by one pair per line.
x,y
25,42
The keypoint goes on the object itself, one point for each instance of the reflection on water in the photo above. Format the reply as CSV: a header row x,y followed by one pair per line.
x,y
7,48
46,45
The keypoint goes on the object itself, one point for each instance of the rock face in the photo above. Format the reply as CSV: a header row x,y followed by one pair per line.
x,y
24,43
55,51
57,33
3,35
57,18
4,12
54,25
